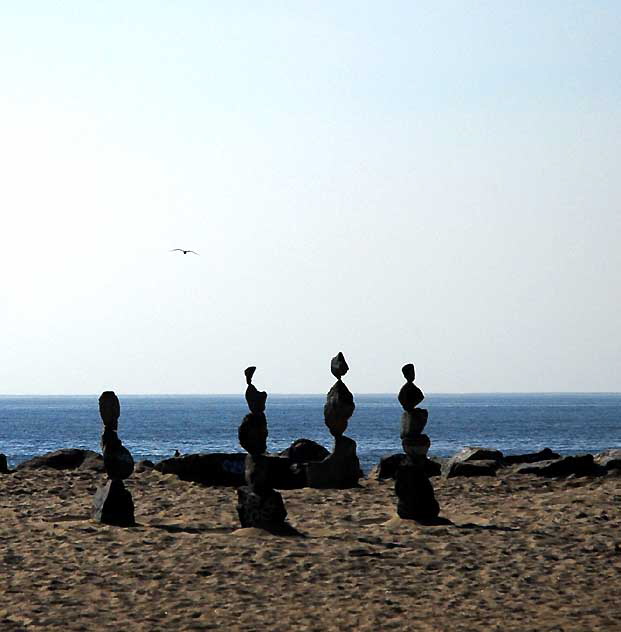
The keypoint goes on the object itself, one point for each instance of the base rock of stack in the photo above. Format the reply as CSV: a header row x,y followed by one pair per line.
x,y
263,511
113,505
415,497
340,470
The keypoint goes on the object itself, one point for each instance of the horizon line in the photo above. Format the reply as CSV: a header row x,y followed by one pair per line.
x,y
241,394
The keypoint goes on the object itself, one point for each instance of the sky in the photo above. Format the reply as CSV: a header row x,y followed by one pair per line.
x,y
427,182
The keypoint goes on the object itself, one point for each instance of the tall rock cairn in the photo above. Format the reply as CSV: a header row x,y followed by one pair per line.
x,y
258,504
341,469
416,500
113,503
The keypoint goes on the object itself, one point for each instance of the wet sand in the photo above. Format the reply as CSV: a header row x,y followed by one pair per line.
x,y
522,553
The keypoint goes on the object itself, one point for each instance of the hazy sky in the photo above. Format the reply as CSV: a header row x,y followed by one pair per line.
x,y
435,182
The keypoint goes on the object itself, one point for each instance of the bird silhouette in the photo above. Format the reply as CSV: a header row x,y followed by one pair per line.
x,y
185,252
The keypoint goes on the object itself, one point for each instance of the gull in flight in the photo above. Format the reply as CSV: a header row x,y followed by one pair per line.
x,y
185,252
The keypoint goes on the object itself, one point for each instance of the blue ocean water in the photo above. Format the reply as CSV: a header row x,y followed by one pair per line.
x,y
154,427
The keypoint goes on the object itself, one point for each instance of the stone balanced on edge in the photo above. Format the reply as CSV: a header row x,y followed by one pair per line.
x,y
416,499
113,503
258,504
341,469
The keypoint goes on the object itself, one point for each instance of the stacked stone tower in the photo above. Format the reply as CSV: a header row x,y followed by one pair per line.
x,y
416,499
113,503
341,469
258,504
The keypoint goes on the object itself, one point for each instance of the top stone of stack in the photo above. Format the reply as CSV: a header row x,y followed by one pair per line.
x,y
256,399
338,366
410,395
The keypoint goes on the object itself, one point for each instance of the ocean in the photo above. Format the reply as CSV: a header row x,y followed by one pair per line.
x,y
154,426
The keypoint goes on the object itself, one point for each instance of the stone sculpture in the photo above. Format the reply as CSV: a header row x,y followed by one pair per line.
x,y
113,503
416,499
341,469
258,503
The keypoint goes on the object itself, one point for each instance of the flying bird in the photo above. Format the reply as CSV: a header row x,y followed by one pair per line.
x,y
185,252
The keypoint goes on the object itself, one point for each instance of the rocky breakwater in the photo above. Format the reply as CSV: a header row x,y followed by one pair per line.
x,y
341,468
416,498
113,503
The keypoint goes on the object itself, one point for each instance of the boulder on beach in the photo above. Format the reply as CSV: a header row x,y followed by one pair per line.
x,y
581,465
609,459
208,469
473,453
4,468
482,467
66,459
305,450
473,461
531,457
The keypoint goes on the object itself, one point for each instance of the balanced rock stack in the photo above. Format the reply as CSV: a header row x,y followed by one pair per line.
x,y
416,499
258,504
113,503
341,469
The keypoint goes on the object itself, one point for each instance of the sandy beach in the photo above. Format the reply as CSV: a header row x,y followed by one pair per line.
x,y
523,553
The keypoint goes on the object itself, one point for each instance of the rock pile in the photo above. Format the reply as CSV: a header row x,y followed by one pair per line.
x,y
416,499
341,469
258,503
113,503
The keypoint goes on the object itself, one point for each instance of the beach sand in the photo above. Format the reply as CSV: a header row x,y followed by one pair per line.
x,y
524,553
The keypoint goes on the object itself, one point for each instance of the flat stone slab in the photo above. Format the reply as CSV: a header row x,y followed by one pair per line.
x,y
66,459
609,459
582,465
531,457
216,468
471,468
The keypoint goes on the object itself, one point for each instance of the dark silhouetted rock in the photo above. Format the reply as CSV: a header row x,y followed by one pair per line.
x,y
413,422
113,505
530,457
339,470
144,465
609,459
118,461
4,467
66,459
254,398
410,396
305,450
258,503
387,467
408,372
338,409
583,465
416,446
252,433
284,474
263,511
218,468
471,468
416,499
338,366
109,409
